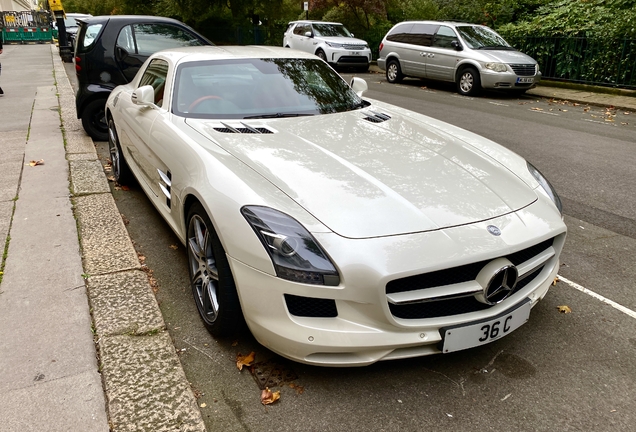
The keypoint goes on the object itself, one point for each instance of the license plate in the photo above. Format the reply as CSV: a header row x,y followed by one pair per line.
x,y
461,337
354,53
525,80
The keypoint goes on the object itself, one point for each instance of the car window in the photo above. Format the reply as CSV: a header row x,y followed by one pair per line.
x,y
422,34
90,35
444,37
301,29
126,41
331,30
400,33
260,88
477,37
151,38
155,75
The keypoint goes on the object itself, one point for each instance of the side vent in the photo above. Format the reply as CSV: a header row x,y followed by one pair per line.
x,y
165,185
376,117
245,129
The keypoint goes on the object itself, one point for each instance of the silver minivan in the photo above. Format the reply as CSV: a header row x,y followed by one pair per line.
x,y
473,56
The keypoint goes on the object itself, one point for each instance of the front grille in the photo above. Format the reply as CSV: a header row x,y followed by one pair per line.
x,y
455,275
311,307
354,47
436,309
459,274
353,59
523,69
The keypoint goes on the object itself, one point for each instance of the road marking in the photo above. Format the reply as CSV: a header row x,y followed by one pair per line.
x,y
498,104
543,112
599,122
613,304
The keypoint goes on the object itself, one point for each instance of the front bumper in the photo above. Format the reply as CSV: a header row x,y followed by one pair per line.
x,y
508,80
344,57
365,329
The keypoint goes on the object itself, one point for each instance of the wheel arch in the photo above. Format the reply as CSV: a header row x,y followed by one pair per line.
x,y
461,67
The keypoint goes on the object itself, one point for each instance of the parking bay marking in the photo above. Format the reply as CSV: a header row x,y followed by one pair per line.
x,y
543,112
498,104
615,305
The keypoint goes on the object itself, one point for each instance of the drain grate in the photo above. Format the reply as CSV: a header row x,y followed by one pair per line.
x,y
272,374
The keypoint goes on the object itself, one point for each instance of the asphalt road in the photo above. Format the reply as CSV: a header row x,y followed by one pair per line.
x,y
559,372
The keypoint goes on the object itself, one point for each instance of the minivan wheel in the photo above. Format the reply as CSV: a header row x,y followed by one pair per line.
x,y
393,72
94,120
210,276
468,82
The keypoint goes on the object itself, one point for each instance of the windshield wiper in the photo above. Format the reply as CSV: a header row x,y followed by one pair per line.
x,y
277,115
497,47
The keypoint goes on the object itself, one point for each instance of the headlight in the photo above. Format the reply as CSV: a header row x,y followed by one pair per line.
x,y
547,187
497,67
295,253
334,45
536,68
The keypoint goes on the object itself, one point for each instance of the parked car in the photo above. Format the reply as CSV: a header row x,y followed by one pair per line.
x,y
345,230
330,41
71,24
473,56
110,50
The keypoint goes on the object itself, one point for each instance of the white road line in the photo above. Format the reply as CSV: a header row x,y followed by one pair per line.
x,y
498,104
613,304
599,122
543,112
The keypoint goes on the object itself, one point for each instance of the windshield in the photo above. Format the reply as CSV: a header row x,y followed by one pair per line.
x,y
260,88
327,30
478,37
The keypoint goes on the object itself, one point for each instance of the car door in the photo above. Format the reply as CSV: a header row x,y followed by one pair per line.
x,y
305,43
412,43
138,142
442,57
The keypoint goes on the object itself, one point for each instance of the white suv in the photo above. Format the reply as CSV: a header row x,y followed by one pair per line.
x,y
330,41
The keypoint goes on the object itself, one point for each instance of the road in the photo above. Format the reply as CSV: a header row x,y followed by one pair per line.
x,y
574,371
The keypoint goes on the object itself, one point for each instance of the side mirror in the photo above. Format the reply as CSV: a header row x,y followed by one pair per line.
x,y
457,45
144,96
308,34
359,85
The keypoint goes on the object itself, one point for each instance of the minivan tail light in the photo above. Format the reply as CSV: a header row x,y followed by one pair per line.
x,y
77,66
381,46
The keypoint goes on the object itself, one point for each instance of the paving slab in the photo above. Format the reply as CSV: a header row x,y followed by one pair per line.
x,y
146,386
123,303
87,177
106,247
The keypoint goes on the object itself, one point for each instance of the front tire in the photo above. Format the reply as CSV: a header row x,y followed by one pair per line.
x,y
210,276
94,120
394,72
121,171
320,53
468,82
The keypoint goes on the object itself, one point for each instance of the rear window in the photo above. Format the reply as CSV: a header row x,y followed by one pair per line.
x,y
155,37
89,37
413,33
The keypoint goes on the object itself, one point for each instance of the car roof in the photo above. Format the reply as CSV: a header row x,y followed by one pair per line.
x,y
314,22
125,19
449,23
202,53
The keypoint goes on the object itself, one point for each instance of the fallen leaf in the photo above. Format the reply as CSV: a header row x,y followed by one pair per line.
x,y
586,109
626,113
111,179
174,247
506,397
564,110
268,397
242,360
125,188
235,343
564,309
556,279
536,109
35,163
299,389
609,120
203,405
624,123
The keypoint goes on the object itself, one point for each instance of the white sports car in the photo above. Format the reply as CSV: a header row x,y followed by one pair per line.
x,y
344,230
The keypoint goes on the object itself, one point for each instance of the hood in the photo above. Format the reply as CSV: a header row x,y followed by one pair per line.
x,y
342,40
506,56
364,178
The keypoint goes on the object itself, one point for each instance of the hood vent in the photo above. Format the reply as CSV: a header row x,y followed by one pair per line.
x,y
243,129
376,117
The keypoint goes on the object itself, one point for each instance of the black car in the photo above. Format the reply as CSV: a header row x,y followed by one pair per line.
x,y
109,52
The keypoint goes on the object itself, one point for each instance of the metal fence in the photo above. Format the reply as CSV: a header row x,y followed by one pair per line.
x,y
605,62
26,27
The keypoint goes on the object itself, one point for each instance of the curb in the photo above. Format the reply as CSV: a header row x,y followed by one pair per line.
x,y
143,380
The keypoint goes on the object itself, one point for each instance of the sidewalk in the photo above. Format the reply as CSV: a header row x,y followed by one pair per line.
x,y
83,346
